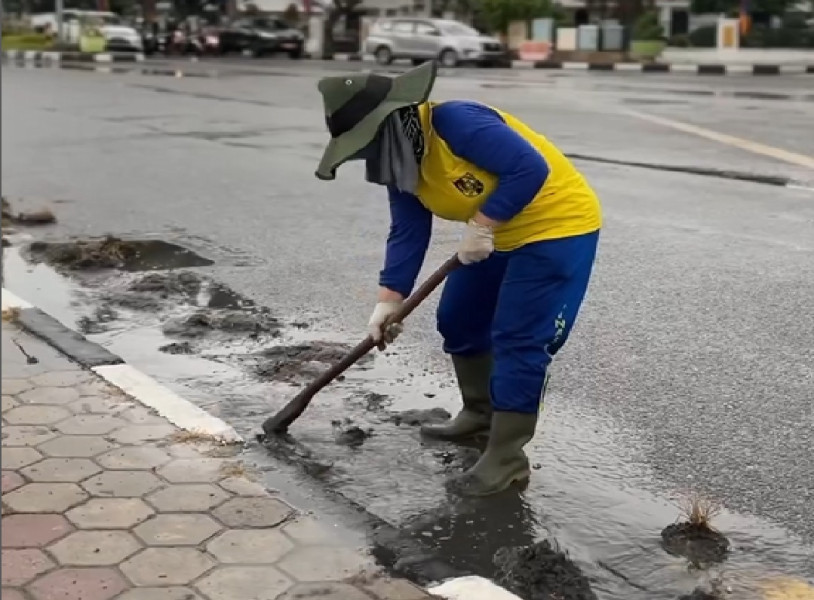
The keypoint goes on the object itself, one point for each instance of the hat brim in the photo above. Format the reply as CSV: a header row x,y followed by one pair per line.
x,y
412,87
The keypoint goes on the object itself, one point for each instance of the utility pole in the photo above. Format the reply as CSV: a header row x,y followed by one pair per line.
x,y
58,6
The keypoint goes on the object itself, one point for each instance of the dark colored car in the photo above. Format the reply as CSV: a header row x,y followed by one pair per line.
x,y
261,36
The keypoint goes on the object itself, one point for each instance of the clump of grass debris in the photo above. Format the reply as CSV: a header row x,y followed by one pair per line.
x,y
699,511
42,216
11,314
193,437
694,537
109,252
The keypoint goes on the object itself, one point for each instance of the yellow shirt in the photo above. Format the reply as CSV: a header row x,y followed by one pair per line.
x,y
454,189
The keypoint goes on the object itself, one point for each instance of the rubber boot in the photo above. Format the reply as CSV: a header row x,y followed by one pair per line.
x,y
503,462
473,373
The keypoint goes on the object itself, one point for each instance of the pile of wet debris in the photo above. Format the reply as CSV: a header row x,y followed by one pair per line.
x,y
541,571
197,314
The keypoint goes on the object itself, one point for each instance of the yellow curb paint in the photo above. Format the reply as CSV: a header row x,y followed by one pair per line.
x,y
787,588
793,158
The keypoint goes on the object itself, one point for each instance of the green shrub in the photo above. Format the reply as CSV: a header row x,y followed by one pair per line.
x,y
790,37
647,28
680,40
27,41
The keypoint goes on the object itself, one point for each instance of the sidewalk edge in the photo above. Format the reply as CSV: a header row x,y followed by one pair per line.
x,y
184,414
177,410
38,56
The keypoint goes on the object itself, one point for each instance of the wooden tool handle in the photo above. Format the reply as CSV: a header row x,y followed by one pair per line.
x,y
280,422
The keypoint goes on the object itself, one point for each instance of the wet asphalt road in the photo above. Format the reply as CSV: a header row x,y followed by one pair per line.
x,y
694,350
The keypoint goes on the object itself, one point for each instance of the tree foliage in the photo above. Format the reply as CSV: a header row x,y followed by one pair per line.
x,y
292,15
648,27
334,12
730,7
500,13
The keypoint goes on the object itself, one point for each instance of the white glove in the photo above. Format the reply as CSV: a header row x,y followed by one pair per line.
x,y
379,328
477,244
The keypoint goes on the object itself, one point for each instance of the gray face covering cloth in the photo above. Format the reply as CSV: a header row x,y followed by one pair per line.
x,y
396,157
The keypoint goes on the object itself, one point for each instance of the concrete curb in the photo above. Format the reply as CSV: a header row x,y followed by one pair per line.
x,y
39,56
146,390
695,69
184,414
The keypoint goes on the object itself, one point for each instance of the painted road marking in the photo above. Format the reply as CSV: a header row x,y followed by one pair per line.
x,y
787,588
13,301
471,587
793,158
168,404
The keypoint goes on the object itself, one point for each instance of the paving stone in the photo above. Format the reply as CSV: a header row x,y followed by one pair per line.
x,y
48,395
11,594
45,497
138,434
94,548
17,458
61,469
16,386
307,531
167,566
134,457
193,470
187,497
140,415
315,563
78,446
122,484
188,449
177,530
241,486
27,435
324,591
78,584
36,414
246,583
90,424
167,593
253,512
109,513
394,589
19,566
29,531
11,481
250,546
99,387
9,403
62,378
101,405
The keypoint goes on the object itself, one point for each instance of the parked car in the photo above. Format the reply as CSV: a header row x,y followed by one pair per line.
x,y
450,42
119,36
261,36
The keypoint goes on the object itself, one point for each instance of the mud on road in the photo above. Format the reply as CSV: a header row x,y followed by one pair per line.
x,y
359,439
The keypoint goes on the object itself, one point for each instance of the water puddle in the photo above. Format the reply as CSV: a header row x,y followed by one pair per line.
x,y
587,526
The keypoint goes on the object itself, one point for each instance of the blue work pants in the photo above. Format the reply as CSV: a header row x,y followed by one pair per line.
x,y
520,305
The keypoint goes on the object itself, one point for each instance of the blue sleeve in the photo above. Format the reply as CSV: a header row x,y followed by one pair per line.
x,y
478,134
410,232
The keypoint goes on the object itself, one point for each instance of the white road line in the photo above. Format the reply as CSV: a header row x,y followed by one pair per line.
x,y
168,404
471,588
793,158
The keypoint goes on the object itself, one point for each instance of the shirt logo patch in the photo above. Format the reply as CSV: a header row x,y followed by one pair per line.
x,y
469,185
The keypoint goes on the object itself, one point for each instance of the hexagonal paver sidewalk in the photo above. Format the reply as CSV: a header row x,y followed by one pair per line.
x,y
102,502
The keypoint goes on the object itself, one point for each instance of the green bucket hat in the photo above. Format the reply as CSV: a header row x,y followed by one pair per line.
x,y
356,105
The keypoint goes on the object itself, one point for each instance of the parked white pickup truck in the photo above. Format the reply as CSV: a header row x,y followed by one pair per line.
x,y
118,35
